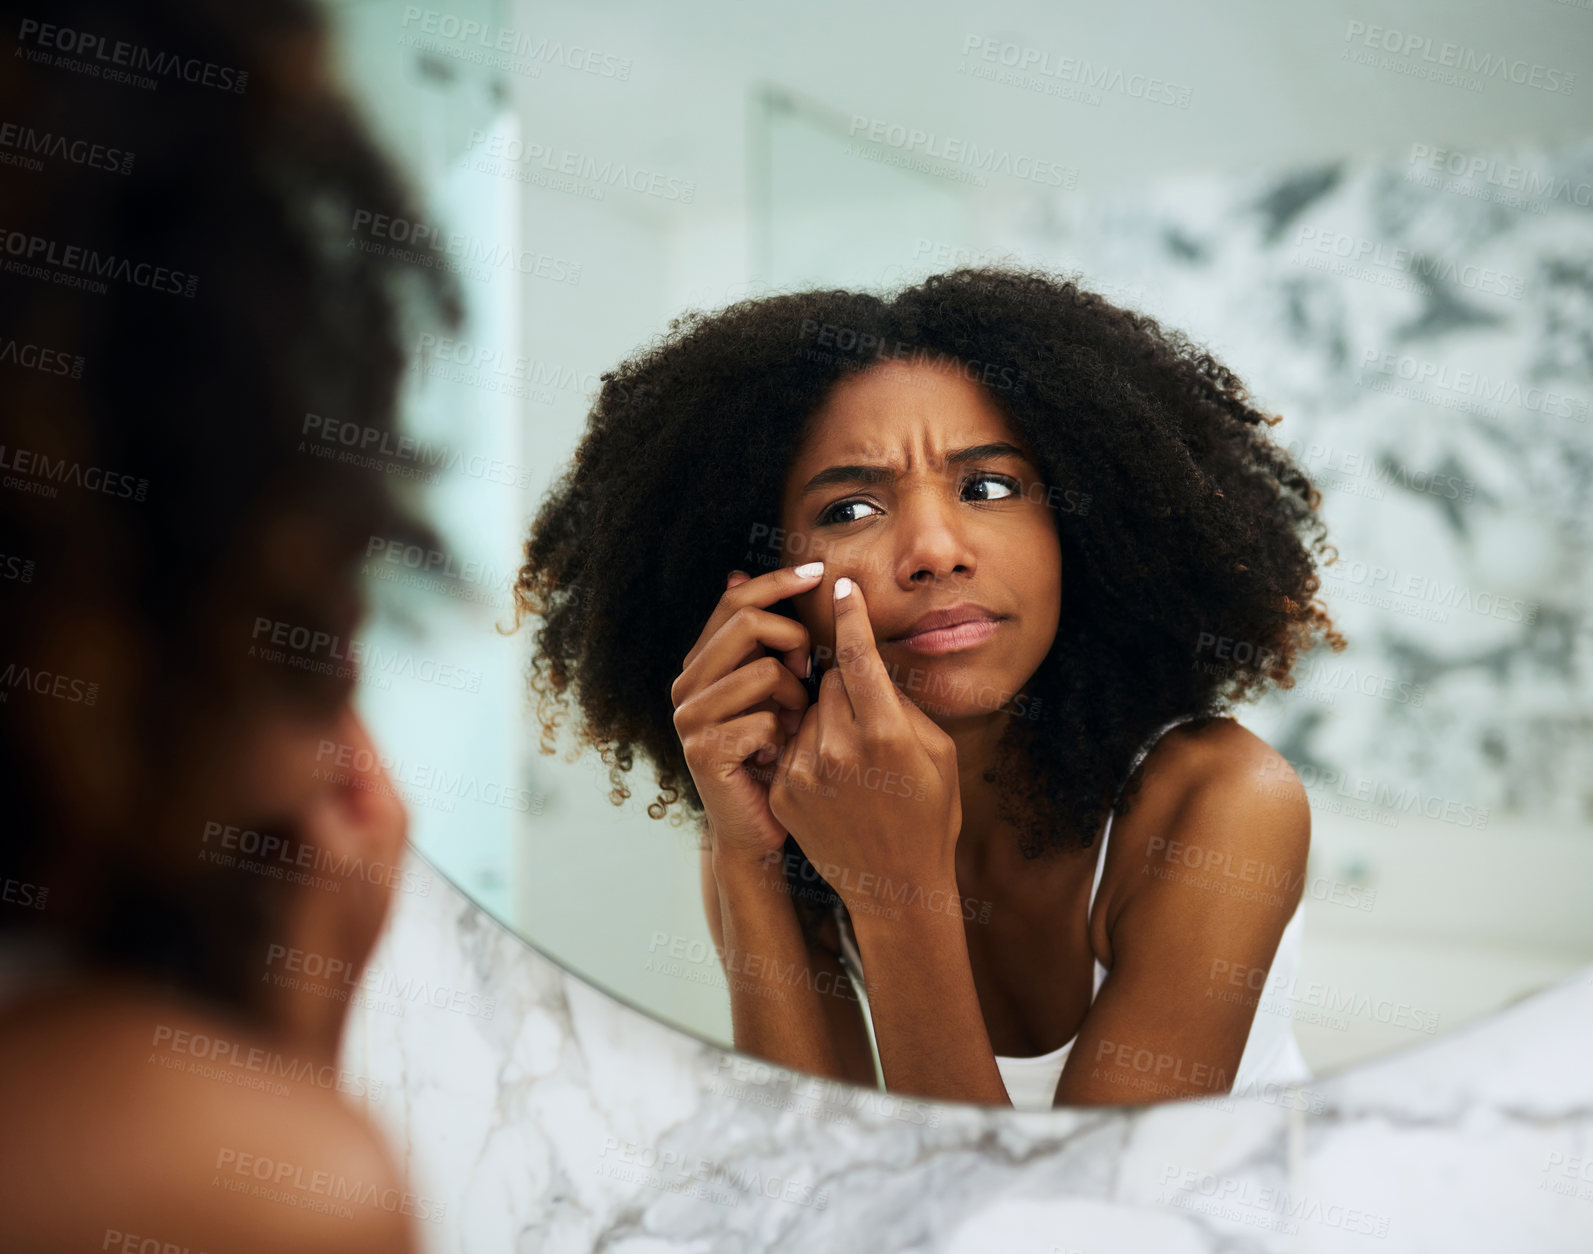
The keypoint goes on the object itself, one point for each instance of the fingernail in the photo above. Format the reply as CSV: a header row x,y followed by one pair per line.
x,y
808,674
843,587
808,569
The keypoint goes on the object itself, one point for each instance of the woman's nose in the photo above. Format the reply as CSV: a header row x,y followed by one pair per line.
x,y
933,531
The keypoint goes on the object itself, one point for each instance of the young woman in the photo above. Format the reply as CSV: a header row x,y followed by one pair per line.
x,y
196,827
1021,551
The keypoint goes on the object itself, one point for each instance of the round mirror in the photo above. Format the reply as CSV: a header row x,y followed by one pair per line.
x,y
1384,234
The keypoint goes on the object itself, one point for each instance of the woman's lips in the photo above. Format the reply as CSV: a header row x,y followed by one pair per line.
x,y
950,639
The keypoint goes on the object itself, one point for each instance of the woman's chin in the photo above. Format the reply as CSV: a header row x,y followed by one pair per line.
x,y
943,710
950,686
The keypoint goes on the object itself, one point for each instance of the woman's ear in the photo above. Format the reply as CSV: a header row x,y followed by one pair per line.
x,y
354,825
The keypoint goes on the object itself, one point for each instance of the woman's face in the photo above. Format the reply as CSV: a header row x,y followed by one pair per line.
x,y
891,487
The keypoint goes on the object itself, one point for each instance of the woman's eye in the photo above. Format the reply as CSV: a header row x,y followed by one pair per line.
x,y
1005,486
1006,481
830,516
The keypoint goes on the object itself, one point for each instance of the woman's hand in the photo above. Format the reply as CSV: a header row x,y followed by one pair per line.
x,y
869,783
735,699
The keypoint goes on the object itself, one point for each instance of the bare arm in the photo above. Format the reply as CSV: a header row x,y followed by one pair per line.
x,y
931,1031
1189,953
811,1020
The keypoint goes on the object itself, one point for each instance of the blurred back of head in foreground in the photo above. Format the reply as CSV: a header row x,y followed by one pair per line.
x,y
177,294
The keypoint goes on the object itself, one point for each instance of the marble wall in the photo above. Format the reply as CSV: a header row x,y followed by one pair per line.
x,y
1424,325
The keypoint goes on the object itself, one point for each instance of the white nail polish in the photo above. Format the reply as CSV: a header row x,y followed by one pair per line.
x,y
843,587
808,569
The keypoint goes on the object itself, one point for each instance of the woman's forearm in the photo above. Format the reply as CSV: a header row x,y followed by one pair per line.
x,y
927,1022
775,1007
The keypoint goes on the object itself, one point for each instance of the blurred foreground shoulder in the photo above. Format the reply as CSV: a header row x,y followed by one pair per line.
x,y
112,1134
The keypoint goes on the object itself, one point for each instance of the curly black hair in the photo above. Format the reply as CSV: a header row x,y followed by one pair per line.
x,y
178,296
1189,540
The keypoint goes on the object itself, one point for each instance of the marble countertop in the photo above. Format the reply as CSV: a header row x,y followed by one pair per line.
x,y
536,1113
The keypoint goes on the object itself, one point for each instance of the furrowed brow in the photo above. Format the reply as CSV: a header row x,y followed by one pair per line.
x,y
886,474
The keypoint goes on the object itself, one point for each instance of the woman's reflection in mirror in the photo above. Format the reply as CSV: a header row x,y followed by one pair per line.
x,y
932,610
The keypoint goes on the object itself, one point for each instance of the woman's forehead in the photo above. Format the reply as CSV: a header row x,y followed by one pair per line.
x,y
890,410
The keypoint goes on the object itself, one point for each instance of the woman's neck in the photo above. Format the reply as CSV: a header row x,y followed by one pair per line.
x,y
986,839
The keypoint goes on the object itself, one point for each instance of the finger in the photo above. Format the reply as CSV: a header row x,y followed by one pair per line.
x,y
790,720
867,683
780,634
798,660
832,710
760,591
781,585
929,733
801,747
745,737
764,683
749,638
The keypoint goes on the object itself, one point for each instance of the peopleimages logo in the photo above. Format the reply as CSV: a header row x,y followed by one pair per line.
x,y
1507,176
323,653
350,443
220,1051
29,143
307,1189
553,159
73,265
498,369
1429,590
1103,77
961,152
1389,797
537,48
455,785
272,849
1474,384
288,966
423,242
1414,47
1357,253
36,472
115,62
48,683
37,357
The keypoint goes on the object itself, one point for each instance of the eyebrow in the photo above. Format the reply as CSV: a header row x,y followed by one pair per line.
x,y
885,474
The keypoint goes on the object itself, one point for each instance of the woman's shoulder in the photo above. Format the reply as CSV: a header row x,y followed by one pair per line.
x,y
1219,765
1220,752
181,1127
1217,807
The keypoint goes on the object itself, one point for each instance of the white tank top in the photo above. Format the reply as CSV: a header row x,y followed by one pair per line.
x,y
1271,1054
